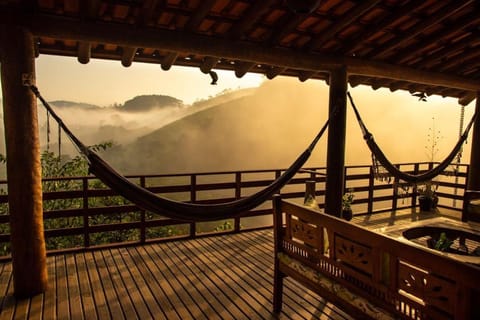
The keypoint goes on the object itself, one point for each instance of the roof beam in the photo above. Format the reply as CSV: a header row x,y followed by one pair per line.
x,y
443,14
208,64
411,52
351,16
176,41
84,51
253,14
200,13
274,71
383,24
169,60
241,68
128,55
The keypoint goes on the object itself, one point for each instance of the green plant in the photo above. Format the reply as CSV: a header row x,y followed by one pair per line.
x,y
347,200
428,189
443,243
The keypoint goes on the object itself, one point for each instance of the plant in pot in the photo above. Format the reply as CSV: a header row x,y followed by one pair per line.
x,y
347,200
427,198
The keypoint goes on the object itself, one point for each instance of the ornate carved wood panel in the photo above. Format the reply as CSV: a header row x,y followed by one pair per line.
x,y
432,290
354,254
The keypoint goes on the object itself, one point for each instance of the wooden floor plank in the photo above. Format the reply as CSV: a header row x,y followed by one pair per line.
x,y
63,311
297,299
101,307
142,287
131,287
188,284
207,290
166,298
121,292
260,247
86,294
113,302
49,306
179,298
232,285
221,277
6,300
74,298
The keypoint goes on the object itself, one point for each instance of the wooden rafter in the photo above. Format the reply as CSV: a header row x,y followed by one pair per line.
x,y
128,55
123,35
201,12
274,71
253,14
89,8
360,39
208,64
84,51
241,68
406,54
350,17
169,60
443,14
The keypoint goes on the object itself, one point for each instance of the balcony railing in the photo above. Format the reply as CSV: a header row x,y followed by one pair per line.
x,y
81,213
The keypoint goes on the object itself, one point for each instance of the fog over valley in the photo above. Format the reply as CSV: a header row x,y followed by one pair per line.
x,y
260,128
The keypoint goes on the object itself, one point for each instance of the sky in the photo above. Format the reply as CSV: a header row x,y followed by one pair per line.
x,y
104,82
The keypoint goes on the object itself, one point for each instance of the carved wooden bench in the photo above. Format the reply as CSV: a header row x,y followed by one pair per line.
x,y
368,275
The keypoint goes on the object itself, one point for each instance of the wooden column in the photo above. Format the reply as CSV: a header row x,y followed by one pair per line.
x,y
474,171
336,142
23,163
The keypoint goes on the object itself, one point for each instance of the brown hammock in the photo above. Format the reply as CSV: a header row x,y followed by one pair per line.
x,y
175,209
392,169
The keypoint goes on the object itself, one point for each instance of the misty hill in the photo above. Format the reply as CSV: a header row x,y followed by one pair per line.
x,y
71,104
257,131
148,102
94,125
272,126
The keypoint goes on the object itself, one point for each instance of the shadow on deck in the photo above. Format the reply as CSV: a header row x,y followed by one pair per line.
x,y
223,277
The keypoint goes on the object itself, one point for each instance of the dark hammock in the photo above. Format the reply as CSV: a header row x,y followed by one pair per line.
x,y
175,209
392,169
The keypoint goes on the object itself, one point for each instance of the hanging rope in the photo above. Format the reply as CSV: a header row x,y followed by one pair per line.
x,y
171,208
392,169
59,142
48,130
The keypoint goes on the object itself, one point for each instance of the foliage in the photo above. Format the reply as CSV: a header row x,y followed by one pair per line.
x,y
443,243
347,200
428,189
54,168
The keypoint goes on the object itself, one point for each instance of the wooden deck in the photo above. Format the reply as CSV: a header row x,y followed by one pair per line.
x,y
225,277
222,277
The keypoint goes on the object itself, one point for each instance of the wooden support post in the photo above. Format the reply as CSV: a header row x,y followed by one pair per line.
x,y
23,163
474,170
336,142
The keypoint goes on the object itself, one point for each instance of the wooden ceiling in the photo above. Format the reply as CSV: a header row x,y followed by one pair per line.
x,y
424,46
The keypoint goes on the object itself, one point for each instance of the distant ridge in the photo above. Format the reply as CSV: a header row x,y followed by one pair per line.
x,y
149,102
71,104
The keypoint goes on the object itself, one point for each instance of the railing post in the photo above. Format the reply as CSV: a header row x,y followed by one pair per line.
x,y
238,195
395,192
414,189
309,190
143,231
86,231
371,185
193,199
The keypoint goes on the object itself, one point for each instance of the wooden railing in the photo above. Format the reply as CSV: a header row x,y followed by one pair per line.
x,y
81,213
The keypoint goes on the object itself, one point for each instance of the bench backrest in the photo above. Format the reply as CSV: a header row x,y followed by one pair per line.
x,y
413,282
